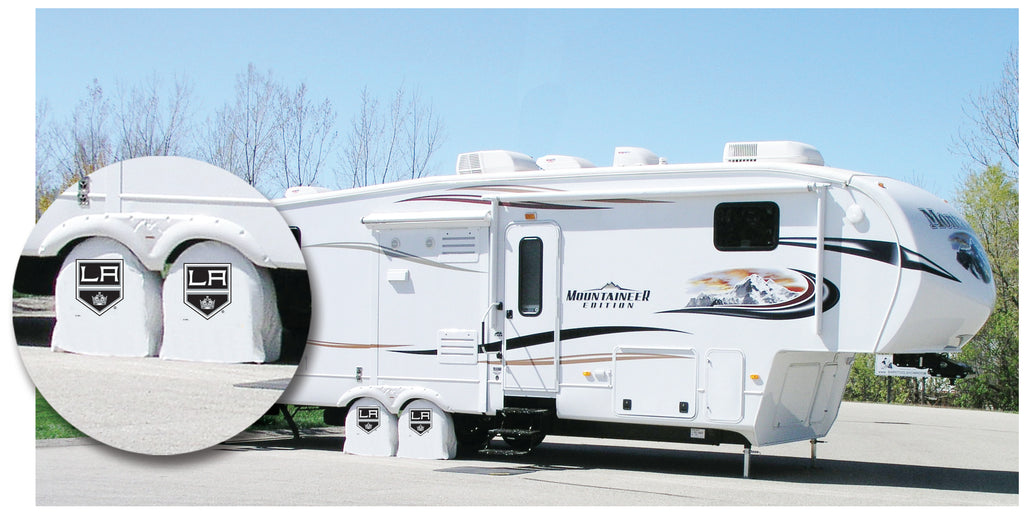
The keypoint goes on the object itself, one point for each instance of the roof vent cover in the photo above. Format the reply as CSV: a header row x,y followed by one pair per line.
x,y
634,156
784,151
555,162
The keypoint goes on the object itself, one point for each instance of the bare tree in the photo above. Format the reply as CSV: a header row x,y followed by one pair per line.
x,y
307,137
217,142
69,150
424,133
150,126
359,154
399,144
242,137
993,133
46,176
392,128
82,144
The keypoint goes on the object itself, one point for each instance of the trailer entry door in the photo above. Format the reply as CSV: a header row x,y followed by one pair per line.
x,y
530,349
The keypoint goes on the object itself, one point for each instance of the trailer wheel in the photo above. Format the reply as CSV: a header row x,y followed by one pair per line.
x,y
523,442
471,433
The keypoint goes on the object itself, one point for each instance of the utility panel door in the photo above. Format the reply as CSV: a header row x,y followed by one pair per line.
x,y
724,396
530,349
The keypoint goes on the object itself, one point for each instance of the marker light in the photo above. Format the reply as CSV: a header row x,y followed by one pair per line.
x,y
531,215
755,377
587,374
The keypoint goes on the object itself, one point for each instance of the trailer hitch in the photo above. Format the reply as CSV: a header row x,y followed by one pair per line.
x,y
937,364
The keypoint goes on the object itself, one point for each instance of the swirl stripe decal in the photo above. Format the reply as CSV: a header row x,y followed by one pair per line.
x,y
875,250
549,337
391,252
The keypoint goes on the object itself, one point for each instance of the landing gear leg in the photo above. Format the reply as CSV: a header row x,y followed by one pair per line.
x,y
814,451
746,461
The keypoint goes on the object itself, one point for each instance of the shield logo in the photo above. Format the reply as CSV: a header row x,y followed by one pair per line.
x,y
367,418
419,420
207,288
98,283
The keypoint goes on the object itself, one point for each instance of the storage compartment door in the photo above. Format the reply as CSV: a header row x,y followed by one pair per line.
x,y
655,382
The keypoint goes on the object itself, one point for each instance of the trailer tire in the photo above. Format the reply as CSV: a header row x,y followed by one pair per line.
x,y
248,330
472,434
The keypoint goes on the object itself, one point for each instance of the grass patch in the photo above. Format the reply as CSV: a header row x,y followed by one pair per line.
x,y
306,417
49,424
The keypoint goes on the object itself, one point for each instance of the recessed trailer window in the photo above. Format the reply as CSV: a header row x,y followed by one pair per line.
x,y
531,275
747,226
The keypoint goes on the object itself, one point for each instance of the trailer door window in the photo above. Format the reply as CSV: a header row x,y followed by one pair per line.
x,y
747,226
531,275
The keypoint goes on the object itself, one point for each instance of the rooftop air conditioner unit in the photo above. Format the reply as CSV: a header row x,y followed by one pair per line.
x,y
772,151
496,161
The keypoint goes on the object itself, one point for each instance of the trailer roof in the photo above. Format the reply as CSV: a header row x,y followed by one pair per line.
x,y
650,172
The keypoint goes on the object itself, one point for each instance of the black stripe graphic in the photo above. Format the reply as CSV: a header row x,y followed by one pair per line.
x,y
549,337
477,199
881,251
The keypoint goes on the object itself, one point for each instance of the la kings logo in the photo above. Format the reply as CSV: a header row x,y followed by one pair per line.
x,y
419,420
207,288
98,283
367,418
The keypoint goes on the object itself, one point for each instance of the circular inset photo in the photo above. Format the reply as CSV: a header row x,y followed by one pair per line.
x,y
161,305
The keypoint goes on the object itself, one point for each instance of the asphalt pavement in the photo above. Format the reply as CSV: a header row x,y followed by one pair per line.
x,y
155,406
875,455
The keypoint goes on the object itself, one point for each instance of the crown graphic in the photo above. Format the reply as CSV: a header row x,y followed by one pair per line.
x,y
207,303
99,299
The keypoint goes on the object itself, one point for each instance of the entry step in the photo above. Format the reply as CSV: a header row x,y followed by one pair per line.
x,y
515,432
525,411
503,452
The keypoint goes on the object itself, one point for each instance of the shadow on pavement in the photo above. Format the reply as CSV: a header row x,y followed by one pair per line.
x,y
769,467
321,439
550,456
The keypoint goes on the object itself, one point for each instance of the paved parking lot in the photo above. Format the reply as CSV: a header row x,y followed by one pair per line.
x,y
875,455
154,406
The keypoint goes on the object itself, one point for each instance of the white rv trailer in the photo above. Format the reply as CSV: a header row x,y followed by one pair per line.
x,y
710,303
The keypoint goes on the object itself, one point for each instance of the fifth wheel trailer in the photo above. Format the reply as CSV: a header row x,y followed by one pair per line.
x,y
709,303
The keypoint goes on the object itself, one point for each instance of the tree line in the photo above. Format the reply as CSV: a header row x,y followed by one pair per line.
x,y
275,137
988,197
270,135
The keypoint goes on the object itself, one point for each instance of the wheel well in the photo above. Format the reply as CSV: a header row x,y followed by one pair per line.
x,y
181,247
37,275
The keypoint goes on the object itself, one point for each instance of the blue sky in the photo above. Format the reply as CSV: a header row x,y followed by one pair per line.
x,y
875,90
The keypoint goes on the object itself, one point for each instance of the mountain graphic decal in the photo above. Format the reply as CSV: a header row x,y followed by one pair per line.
x,y
755,290
757,293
